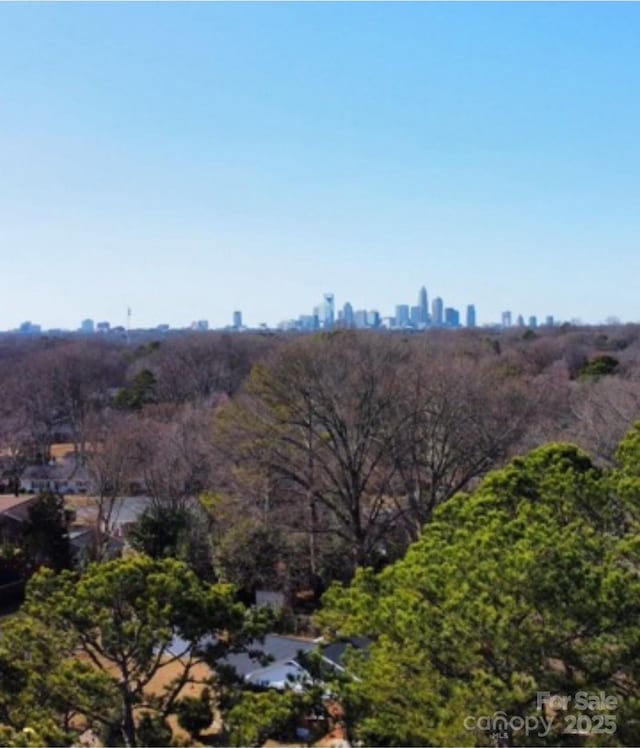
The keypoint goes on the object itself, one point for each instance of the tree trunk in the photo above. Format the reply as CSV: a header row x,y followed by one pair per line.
x,y
313,531
128,723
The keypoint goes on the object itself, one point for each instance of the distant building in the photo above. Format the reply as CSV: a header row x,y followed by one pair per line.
x,y
201,325
549,321
103,327
506,319
520,321
287,324
533,321
471,315
308,322
329,310
87,327
28,328
423,306
402,315
62,478
237,319
415,316
437,311
348,316
373,318
360,319
451,317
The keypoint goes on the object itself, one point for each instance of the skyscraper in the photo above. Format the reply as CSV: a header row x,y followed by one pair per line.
x,y
437,307
360,318
237,320
506,319
471,315
347,315
416,316
451,317
87,327
402,315
329,310
423,304
373,318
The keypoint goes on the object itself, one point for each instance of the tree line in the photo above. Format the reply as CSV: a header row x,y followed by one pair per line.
x,y
328,452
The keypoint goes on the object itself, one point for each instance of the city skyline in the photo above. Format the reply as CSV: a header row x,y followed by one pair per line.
x,y
191,159
327,315
421,315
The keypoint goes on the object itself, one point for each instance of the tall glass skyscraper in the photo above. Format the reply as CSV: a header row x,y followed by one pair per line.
x,y
471,315
329,310
423,304
437,312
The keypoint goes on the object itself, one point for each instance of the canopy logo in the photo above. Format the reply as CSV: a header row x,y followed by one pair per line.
x,y
559,714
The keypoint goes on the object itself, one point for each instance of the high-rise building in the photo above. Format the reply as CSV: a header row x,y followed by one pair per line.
x,y
415,316
360,319
237,319
437,307
549,322
307,322
402,315
506,319
520,321
471,315
329,317
533,321
347,315
103,327
451,317
87,327
28,328
373,318
423,304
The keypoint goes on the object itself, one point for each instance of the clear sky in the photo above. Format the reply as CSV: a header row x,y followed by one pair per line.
x,y
190,159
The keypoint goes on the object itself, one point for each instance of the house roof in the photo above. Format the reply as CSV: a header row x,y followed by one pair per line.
x,y
262,659
335,652
48,472
82,537
276,647
8,504
280,675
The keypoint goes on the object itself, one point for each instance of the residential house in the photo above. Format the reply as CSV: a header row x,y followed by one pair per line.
x,y
61,477
277,662
14,512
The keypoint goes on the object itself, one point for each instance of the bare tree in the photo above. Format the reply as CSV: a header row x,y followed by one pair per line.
x,y
176,452
319,422
603,411
80,375
113,461
463,416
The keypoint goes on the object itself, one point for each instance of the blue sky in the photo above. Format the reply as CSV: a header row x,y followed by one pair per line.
x,y
190,159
